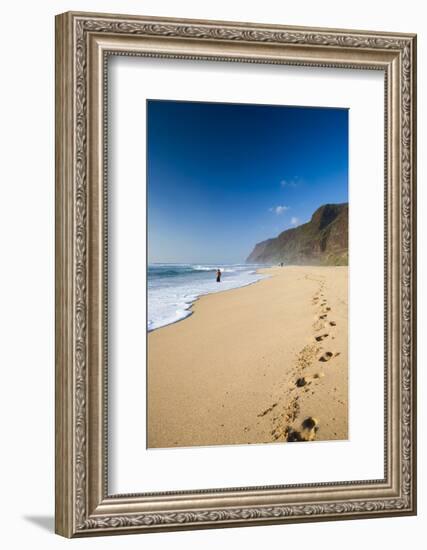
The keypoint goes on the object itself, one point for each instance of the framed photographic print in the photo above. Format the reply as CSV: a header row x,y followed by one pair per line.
x,y
235,274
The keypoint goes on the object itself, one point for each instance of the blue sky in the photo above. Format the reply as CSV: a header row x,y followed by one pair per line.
x,y
222,177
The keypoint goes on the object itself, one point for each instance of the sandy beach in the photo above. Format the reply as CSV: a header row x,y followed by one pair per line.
x,y
259,364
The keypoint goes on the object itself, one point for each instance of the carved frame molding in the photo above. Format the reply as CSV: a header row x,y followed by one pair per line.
x,y
83,43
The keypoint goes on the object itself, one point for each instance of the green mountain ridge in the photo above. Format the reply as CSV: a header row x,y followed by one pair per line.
x,y
321,241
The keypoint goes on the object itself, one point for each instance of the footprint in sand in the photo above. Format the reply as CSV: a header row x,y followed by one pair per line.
x,y
306,380
326,356
321,337
332,323
323,316
309,428
310,423
263,413
318,325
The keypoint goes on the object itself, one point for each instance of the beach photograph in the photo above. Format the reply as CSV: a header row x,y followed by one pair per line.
x,y
247,274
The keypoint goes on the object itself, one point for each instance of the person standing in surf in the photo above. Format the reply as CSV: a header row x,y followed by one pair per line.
x,y
218,275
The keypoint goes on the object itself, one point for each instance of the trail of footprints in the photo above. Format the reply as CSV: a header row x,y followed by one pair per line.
x,y
286,426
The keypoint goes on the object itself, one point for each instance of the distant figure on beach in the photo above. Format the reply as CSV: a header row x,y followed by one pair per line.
x,y
218,275
281,264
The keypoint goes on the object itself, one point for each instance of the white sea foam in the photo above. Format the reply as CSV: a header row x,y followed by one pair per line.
x,y
214,268
172,289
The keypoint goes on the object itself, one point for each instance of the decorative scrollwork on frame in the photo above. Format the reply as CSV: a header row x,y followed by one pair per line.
x,y
242,514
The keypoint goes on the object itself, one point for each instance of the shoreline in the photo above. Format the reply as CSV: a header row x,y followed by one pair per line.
x,y
190,307
254,363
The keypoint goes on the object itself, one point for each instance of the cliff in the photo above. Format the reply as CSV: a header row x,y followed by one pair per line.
x,y
321,241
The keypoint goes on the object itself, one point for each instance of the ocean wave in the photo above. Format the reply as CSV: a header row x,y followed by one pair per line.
x,y
164,270
213,268
204,268
170,297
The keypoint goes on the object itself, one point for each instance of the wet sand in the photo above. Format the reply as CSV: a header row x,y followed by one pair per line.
x,y
259,364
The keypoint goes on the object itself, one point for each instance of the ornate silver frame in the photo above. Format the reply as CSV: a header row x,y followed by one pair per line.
x,y
83,42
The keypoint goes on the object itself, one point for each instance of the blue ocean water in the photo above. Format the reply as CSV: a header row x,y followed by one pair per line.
x,y
173,288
